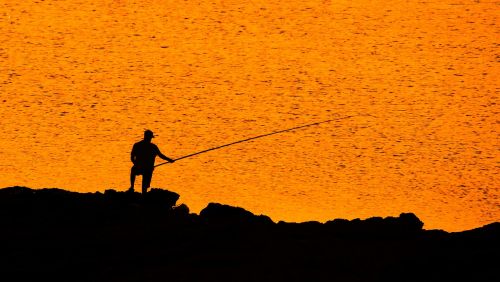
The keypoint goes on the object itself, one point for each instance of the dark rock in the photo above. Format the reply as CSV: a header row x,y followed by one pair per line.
x,y
57,235
488,232
227,215
16,191
407,224
181,210
161,198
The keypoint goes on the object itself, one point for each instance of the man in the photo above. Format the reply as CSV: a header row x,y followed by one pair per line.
x,y
143,156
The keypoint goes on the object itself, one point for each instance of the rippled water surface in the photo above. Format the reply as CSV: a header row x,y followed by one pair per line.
x,y
80,80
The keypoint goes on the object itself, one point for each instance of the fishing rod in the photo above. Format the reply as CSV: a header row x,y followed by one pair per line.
x,y
253,138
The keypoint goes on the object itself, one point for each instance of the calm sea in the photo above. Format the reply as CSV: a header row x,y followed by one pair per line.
x,y
81,80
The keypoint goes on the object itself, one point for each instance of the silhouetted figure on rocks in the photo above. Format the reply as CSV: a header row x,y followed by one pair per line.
x,y
143,156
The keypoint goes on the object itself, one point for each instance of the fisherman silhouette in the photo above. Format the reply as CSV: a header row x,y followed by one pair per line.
x,y
143,156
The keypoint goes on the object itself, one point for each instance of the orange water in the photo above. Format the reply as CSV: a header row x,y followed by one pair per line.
x,y
80,80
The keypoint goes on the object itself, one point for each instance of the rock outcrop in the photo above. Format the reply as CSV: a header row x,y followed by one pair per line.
x,y
57,235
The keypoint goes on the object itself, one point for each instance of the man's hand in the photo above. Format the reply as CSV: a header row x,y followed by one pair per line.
x,y
165,157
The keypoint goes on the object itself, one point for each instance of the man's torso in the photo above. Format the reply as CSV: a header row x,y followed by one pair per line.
x,y
145,154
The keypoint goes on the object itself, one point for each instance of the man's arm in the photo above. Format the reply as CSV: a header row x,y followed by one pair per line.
x,y
163,156
132,155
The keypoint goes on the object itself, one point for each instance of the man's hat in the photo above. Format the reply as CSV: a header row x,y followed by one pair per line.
x,y
149,133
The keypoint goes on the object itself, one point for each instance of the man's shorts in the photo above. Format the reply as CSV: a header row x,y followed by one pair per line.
x,y
147,174
139,170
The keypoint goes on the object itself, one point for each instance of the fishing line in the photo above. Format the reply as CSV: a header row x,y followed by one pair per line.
x,y
256,137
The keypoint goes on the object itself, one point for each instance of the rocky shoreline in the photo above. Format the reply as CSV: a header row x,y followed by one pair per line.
x,y
119,236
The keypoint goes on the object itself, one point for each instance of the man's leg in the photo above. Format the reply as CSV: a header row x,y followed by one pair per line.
x,y
146,180
132,179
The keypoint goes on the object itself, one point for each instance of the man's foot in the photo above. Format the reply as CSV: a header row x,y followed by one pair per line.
x,y
130,190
